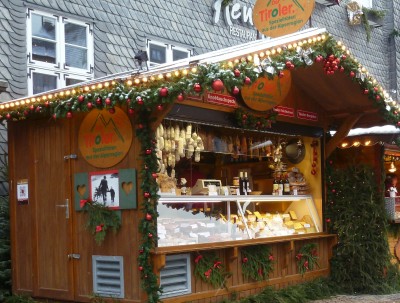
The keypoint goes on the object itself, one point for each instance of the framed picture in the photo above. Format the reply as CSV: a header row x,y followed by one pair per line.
x,y
104,187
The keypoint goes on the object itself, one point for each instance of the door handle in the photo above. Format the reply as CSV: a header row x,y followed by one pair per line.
x,y
74,256
66,205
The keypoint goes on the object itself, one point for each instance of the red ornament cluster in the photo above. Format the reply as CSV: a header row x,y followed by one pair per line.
x,y
331,64
314,164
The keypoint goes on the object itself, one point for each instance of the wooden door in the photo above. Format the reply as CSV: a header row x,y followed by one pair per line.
x,y
53,275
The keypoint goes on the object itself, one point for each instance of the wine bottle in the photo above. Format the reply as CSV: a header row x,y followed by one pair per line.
x,y
275,186
280,186
286,186
246,184
241,183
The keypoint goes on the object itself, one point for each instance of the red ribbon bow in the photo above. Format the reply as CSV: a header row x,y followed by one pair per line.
x,y
198,258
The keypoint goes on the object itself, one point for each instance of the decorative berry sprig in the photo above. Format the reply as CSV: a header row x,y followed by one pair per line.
x,y
209,268
307,258
257,262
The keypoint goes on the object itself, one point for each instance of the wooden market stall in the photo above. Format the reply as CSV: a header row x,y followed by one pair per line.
x,y
69,147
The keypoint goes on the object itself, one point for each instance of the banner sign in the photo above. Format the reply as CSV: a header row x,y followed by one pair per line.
x,y
219,99
285,111
305,115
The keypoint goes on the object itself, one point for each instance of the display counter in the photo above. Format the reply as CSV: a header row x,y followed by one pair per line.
x,y
188,220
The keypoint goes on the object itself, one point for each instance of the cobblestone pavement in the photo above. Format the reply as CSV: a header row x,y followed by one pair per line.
x,y
394,298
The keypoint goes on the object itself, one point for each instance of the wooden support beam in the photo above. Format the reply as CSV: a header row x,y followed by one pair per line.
x,y
342,132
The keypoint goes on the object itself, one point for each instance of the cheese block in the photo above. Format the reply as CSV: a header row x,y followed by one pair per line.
x,y
251,218
293,215
248,212
258,215
297,226
289,224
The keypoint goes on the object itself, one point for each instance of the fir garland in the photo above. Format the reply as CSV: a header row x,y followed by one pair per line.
x,y
100,219
307,258
210,269
257,262
246,120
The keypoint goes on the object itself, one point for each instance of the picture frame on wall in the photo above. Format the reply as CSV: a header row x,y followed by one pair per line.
x,y
104,187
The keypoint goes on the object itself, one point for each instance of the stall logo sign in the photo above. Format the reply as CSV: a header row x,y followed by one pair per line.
x,y
104,138
274,18
264,94
220,99
234,15
285,111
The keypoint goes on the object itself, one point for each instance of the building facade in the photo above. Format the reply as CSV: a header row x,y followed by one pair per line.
x,y
51,44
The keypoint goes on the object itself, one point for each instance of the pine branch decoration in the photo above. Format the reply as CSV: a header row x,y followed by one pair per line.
x,y
257,262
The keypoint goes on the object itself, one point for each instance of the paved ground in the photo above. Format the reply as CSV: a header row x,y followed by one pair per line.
x,y
394,298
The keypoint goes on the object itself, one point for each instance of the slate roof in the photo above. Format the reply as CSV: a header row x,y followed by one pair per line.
x,y
121,27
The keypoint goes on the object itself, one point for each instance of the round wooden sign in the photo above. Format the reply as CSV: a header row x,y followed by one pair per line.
x,y
265,94
275,18
104,138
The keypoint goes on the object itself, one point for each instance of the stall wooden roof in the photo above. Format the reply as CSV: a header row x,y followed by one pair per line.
x,y
340,95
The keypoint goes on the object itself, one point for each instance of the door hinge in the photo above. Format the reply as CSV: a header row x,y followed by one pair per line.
x,y
71,156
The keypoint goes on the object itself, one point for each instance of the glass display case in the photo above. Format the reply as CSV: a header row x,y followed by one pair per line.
x,y
185,220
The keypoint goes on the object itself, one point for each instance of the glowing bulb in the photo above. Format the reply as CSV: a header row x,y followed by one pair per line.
x,y
68,92
261,55
392,168
100,86
194,69
249,58
268,53
343,48
145,79
345,144
93,87
318,38
184,72
160,76
323,37
339,43
137,81
129,82
168,75
86,89
12,104
290,46
7,105
273,51
17,103
314,39
367,143
236,61
300,43
61,94
279,50
230,63
107,84
113,82
1,106
356,144
22,102
309,40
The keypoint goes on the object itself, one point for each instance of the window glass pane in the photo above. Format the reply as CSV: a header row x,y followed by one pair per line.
x,y
70,81
366,3
43,82
43,50
75,34
157,53
44,27
76,57
177,54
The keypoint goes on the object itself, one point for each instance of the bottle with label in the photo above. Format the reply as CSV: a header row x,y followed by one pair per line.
x,y
241,183
246,184
275,186
280,187
286,186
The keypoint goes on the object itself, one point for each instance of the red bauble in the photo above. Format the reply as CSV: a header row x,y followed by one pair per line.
x,y
149,217
154,175
197,88
163,92
378,98
271,258
98,101
150,235
32,108
180,97
26,113
376,89
236,72
54,116
281,74
333,191
245,260
89,105
111,110
244,116
160,107
128,101
366,91
318,59
288,64
328,220
81,98
108,101
140,126
141,251
139,100
313,172
47,104
146,194
352,74
235,90
247,81
38,109
141,268
314,164
149,151
8,116
331,57
69,115
344,57
131,111
217,85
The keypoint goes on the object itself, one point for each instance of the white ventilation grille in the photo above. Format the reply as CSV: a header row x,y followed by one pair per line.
x,y
175,278
108,276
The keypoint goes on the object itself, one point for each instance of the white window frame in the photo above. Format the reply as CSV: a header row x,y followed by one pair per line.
x,y
169,51
365,3
60,67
